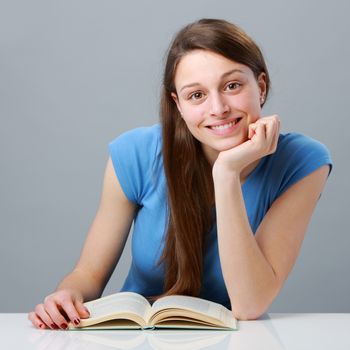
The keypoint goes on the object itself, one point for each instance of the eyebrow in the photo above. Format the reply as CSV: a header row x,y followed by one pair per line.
x,y
223,76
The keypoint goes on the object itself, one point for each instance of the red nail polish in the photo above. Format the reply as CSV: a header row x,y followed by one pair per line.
x,y
53,326
64,325
76,321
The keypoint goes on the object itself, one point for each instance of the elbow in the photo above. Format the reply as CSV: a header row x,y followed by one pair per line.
x,y
254,307
249,313
247,316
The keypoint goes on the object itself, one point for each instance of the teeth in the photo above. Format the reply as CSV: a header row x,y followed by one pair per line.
x,y
224,126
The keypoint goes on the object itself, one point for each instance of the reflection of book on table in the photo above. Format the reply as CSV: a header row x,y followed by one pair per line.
x,y
184,341
127,310
124,339
164,339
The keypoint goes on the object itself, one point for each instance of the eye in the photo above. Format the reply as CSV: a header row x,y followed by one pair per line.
x,y
234,86
196,95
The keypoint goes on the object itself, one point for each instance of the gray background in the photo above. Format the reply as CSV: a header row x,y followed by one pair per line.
x,y
75,74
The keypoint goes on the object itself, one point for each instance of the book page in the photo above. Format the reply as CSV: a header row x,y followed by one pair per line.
x,y
199,305
119,303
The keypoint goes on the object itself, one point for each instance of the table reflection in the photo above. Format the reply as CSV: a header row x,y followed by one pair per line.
x,y
245,338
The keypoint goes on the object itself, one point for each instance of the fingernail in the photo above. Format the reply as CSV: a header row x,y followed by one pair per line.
x,y
86,310
76,321
53,326
64,325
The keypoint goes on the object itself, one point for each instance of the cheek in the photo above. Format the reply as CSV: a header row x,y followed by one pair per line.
x,y
193,115
246,101
250,105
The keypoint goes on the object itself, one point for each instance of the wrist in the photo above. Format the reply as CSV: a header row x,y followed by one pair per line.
x,y
223,174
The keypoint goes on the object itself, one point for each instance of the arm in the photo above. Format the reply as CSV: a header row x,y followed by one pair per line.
x,y
255,268
105,241
99,256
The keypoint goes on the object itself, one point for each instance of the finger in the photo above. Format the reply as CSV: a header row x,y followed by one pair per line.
x,y
251,131
272,132
71,311
271,128
44,316
56,316
272,116
260,133
253,127
36,321
82,309
268,119
276,132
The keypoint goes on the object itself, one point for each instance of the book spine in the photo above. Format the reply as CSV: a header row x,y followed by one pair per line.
x,y
148,328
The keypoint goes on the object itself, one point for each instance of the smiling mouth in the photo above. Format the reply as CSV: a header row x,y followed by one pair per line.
x,y
224,126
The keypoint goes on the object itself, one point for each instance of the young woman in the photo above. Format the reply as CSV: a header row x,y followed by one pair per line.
x,y
220,200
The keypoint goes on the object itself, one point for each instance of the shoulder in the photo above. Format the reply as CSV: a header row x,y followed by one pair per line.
x,y
296,150
292,142
133,154
142,144
297,155
142,136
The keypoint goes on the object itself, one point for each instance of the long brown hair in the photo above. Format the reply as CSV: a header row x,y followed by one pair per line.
x,y
190,188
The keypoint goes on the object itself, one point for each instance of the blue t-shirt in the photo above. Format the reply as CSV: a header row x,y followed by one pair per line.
x,y
138,163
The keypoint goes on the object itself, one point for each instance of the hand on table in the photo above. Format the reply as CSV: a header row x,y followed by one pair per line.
x,y
58,309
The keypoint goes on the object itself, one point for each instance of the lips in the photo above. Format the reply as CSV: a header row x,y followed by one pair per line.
x,y
225,128
224,124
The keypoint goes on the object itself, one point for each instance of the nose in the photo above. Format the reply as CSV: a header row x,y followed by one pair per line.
x,y
218,105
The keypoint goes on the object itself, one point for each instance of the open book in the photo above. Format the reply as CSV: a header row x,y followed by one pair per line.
x,y
128,310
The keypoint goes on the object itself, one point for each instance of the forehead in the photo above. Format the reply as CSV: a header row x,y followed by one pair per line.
x,y
201,64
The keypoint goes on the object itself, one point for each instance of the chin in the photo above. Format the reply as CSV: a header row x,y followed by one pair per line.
x,y
230,144
225,147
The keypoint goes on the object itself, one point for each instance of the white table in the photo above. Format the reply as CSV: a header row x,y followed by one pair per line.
x,y
270,332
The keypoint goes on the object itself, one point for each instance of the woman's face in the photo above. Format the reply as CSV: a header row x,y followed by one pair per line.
x,y
218,99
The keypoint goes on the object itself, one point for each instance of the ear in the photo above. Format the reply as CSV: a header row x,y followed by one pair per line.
x,y
262,85
175,98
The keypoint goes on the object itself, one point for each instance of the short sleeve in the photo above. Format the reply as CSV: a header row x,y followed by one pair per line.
x,y
299,155
132,154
